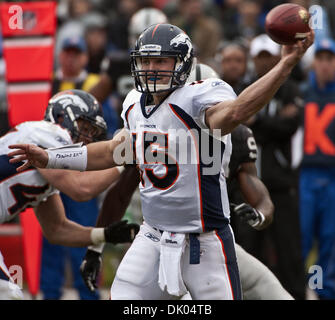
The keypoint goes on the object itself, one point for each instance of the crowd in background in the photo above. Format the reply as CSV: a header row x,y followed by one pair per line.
x,y
229,36
105,26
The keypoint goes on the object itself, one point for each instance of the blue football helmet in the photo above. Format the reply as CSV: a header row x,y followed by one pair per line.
x,y
67,107
162,40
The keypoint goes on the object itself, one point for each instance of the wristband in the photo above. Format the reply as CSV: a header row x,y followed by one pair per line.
x,y
98,235
72,157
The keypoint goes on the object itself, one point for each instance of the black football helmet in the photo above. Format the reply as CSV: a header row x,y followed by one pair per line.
x,y
162,40
67,107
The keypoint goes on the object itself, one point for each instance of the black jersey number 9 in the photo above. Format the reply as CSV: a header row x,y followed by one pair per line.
x,y
252,147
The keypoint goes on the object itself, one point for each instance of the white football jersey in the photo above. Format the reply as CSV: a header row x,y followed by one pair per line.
x,y
177,193
19,191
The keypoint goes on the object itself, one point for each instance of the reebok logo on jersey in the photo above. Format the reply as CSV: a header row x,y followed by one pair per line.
x,y
152,237
217,83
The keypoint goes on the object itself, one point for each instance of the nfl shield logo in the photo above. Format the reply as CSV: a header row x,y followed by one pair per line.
x,y
29,20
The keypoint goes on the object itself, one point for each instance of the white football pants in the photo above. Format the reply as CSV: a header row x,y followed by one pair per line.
x,y
258,282
216,277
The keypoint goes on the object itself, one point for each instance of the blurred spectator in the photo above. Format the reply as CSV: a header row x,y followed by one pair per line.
x,y
241,18
203,29
72,24
228,13
249,21
71,74
96,37
233,58
78,8
317,175
279,246
118,32
141,20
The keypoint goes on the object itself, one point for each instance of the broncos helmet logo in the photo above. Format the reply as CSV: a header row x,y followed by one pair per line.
x,y
182,42
69,99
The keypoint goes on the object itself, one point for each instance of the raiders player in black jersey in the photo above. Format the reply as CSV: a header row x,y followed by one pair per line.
x,y
258,209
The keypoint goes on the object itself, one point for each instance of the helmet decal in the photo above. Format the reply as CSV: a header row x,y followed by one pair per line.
x,y
182,40
66,100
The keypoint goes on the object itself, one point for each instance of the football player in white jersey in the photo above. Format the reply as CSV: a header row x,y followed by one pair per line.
x,y
258,282
184,207
71,116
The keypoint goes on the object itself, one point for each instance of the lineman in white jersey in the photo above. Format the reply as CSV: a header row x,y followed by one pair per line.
x,y
81,120
176,259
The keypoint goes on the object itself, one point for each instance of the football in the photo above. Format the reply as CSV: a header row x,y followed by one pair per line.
x,y
287,23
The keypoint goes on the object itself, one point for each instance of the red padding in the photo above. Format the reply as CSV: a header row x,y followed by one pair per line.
x,y
32,248
28,60
29,105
